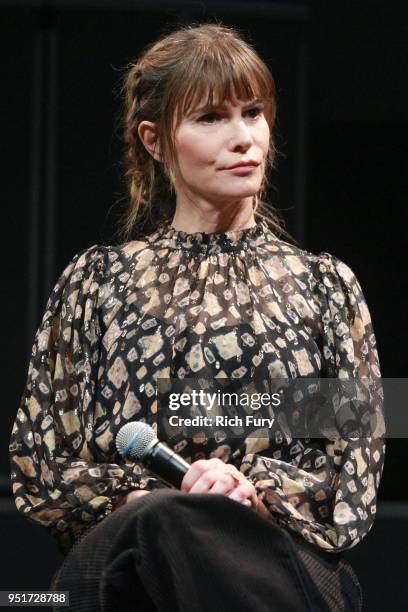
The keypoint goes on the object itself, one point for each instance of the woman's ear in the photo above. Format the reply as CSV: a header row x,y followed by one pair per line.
x,y
148,135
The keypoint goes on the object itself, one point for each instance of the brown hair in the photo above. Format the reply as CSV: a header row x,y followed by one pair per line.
x,y
163,84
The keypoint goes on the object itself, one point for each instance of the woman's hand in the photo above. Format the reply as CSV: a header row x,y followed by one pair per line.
x,y
211,476
135,495
132,496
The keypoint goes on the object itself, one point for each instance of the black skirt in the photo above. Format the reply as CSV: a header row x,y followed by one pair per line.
x,y
176,552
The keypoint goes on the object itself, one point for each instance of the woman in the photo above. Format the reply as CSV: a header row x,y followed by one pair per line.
x,y
213,292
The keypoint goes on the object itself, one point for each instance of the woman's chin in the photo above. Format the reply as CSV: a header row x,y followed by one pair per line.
x,y
244,191
243,187
240,195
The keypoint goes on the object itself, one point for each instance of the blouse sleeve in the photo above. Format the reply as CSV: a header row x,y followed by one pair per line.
x,y
332,502
59,477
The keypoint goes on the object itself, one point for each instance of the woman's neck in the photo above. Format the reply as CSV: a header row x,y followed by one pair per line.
x,y
192,218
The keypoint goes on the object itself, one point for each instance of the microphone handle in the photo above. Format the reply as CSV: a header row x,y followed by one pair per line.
x,y
166,464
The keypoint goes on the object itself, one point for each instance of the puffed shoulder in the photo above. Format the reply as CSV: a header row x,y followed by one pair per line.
x,y
90,290
343,288
95,272
85,267
333,270
100,263
349,343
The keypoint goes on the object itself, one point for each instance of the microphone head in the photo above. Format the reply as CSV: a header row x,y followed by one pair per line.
x,y
133,439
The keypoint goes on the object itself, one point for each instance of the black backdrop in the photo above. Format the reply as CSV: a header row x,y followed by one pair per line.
x,y
342,122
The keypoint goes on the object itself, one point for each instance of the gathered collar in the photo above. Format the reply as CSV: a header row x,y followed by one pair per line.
x,y
212,242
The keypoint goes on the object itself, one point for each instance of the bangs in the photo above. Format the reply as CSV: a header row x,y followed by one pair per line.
x,y
221,74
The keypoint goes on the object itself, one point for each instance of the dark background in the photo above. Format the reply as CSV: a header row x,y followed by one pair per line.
x,y
340,184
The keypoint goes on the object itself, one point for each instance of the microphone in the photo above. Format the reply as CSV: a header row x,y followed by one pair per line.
x,y
138,441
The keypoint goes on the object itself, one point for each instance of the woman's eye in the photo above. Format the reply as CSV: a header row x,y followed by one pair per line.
x,y
207,118
257,110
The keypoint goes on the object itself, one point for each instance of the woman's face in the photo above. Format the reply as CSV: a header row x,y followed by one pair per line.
x,y
209,141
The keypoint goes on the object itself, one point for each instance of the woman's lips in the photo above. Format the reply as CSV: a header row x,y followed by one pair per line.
x,y
241,169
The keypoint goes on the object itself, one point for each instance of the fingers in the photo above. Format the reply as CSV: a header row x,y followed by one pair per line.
x,y
223,485
197,471
133,495
213,479
211,476
243,493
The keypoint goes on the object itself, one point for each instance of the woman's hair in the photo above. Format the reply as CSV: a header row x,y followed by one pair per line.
x,y
165,83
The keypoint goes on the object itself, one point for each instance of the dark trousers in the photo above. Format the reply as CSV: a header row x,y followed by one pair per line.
x,y
177,552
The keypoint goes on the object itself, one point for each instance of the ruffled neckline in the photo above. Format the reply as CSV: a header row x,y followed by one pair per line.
x,y
212,242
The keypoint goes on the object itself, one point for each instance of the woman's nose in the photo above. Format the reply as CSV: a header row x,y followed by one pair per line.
x,y
241,130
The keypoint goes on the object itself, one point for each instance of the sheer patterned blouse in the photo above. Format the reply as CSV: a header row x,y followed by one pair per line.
x,y
175,305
